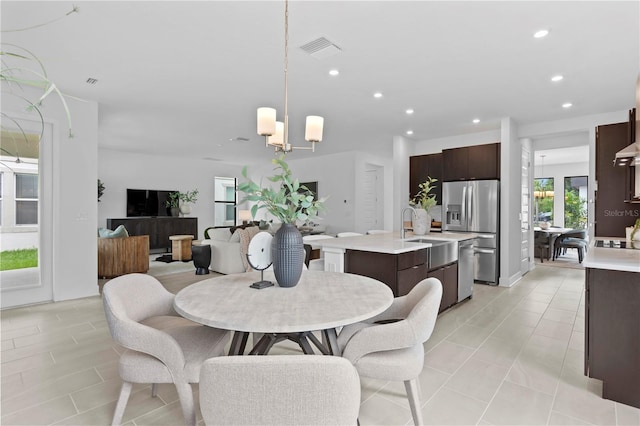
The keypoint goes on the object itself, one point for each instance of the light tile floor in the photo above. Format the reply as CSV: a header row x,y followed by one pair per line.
x,y
508,356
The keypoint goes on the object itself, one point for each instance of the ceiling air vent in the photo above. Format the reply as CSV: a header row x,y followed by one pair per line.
x,y
320,48
92,80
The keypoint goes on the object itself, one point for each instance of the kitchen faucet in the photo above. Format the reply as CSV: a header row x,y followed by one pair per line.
x,y
413,214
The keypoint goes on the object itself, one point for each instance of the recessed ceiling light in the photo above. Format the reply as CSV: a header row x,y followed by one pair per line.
x,y
556,78
541,33
409,111
377,95
409,132
476,120
334,72
567,105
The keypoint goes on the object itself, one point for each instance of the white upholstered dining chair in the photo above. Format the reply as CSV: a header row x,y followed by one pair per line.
x,y
390,345
279,390
162,347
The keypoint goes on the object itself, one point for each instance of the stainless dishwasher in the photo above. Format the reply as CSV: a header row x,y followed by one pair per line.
x,y
466,264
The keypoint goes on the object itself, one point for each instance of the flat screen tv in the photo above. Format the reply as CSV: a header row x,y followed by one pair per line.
x,y
147,202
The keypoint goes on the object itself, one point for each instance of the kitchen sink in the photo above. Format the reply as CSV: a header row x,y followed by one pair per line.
x,y
440,253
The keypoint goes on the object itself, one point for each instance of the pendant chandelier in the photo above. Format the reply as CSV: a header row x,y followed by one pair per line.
x,y
276,133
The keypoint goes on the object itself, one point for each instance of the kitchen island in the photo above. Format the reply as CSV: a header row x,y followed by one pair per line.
x,y
612,319
400,263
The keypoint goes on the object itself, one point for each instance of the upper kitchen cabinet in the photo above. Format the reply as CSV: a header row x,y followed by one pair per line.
x,y
478,162
421,166
612,214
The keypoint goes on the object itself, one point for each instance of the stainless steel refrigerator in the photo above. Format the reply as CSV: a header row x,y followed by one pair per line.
x,y
474,206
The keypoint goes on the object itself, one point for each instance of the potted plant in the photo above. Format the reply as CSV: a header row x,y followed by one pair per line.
x,y
173,203
635,235
100,189
422,203
288,201
186,199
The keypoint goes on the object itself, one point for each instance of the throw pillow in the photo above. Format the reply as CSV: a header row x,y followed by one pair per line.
x,y
219,234
245,237
119,232
235,238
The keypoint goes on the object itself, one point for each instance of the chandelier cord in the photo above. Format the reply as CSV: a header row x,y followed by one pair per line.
x,y
285,136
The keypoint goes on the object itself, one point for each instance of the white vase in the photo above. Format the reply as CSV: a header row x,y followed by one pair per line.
x,y
185,209
421,222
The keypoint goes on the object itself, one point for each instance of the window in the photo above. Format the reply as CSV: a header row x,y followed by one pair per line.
x,y
543,194
225,201
26,199
575,202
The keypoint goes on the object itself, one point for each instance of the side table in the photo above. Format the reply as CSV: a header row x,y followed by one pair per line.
x,y
181,247
201,258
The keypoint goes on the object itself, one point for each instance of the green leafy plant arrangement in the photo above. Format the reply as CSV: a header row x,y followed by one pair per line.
x,y
189,196
100,189
14,75
422,199
173,200
636,226
288,202
176,197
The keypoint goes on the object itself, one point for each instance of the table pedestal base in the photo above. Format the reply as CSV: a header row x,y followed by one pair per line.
x,y
328,346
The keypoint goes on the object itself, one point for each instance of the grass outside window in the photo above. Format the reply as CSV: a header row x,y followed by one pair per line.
x,y
18,259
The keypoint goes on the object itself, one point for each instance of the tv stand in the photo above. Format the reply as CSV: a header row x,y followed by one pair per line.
x,y
158,229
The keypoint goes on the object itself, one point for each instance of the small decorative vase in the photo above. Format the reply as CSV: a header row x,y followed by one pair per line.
x,y
185,209
287,254
421,222
175,211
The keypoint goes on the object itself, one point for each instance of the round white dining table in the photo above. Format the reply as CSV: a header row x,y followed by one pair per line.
x,y
321,301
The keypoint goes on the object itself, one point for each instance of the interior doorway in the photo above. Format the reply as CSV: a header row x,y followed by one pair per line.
x,y
26,212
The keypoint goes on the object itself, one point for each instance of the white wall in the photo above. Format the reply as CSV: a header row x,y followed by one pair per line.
x,y
510,205
121,170
71,225
339,176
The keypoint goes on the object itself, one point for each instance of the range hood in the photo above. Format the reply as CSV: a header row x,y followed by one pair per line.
x,y
627,156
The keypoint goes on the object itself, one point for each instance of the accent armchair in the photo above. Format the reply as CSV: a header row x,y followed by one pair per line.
x,y
162,347
390,345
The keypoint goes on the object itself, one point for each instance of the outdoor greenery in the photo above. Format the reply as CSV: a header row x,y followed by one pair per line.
x,y
575,210
18,259
544,203
288,201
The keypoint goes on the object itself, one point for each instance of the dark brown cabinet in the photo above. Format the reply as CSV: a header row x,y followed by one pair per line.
x,y
421,166
612,333
478,162
158,229
612,214
401,272
448,276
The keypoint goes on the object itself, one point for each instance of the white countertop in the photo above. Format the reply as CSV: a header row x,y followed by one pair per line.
x,y
391,242
615,259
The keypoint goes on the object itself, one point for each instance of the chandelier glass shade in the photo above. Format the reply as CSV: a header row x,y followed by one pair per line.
x,y
276,133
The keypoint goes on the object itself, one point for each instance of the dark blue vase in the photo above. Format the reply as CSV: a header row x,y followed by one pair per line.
x,y
287,253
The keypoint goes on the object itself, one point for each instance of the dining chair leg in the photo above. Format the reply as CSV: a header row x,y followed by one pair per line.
x,y
125,391
154,390
413,394
185,395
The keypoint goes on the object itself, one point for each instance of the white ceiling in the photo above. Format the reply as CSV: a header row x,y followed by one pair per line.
x,y
183,78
